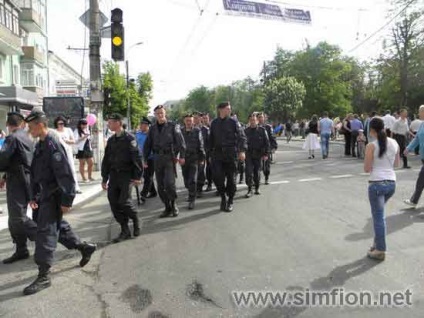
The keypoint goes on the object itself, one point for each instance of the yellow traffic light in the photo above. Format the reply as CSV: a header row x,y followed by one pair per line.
x,y
117,41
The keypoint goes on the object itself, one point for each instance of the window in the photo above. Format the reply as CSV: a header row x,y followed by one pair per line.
x,y
1,69
16,74
8,17
27,75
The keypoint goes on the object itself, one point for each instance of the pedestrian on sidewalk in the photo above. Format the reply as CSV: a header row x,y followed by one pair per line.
x,y
149,190
122,168
206,124
289,130
53,192
195,156
82,137
65,133
417,141
400,131
166,142
347,134
201,169
15,159
311,142
413,129
381,157
227,144
258,149
355,126
325,129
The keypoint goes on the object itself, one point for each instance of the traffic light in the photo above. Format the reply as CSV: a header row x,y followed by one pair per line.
x,y
117,29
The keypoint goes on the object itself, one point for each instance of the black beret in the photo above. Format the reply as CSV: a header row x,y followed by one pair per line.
x,y
145,120
15,114
35,114
158,107
116,116
223,104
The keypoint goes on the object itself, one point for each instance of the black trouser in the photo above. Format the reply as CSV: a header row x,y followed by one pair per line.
x,y
253,174
208,169
189,170
241,167
119,196
266,167
201,175
149,184
21,227
51,228
419,186
348,142
224,169
353,141
165,178
401,140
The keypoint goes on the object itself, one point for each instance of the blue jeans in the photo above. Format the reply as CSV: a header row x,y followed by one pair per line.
x,y
325,138
379,193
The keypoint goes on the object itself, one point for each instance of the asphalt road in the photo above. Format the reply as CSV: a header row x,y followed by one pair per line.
x,y
308,231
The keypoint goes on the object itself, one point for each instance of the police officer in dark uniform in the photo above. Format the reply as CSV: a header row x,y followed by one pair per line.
x,y
16,158
206,123
122,167
167,142
273,142
195,157
53,191
258,148
201,173
227,144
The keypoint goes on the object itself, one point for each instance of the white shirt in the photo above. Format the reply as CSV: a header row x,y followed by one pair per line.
x,y
80,142
400,127
389,121
415,125
383,168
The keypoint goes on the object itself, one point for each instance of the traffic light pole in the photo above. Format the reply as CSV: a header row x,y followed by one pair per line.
x,y
96,94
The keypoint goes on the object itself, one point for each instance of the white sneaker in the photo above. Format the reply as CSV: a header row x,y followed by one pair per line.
x,y
410,203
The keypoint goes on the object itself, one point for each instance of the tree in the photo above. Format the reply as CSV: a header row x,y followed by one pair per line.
x,y
115,83
284,97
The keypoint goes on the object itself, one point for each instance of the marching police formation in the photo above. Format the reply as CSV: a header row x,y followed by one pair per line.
x,y
38,174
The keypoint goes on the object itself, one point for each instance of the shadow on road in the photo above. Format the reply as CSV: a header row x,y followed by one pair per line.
x,y
336,278
394,223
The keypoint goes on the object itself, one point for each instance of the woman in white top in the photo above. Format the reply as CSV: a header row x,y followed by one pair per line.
x,y
82,137
381,156
67,136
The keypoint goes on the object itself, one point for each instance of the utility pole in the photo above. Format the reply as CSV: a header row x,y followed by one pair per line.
x,y
96,94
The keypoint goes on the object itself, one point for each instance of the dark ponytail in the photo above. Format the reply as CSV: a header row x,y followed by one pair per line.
x,y
377,125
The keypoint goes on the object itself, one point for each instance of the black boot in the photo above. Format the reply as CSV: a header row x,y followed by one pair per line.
x,y
174,209
249,193
266,181
257,192
223,202
167,210
229,205
124,235
191,205
136,226
17,256
151,195
86,250
41,282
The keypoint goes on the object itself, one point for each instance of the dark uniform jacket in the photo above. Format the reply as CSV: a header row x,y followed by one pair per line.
x,y
226,138
122,155
205,135
272,139
51,173
195,150
257,142
168,142
16,157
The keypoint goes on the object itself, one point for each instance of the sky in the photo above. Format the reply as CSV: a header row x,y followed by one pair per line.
x,y
183,49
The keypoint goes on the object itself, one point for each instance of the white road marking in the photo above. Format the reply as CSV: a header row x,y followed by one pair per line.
x,y
364,174
310,179
341,176
280,182
283,162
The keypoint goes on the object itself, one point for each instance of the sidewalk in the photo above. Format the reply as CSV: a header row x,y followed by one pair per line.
x,y
89,191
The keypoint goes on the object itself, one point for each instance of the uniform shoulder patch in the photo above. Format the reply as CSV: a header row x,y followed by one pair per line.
x,y
57,156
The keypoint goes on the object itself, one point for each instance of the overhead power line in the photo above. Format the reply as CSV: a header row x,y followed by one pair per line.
x,y
382,27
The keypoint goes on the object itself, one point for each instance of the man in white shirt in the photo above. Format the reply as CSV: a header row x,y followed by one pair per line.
x,y
400,131
389,121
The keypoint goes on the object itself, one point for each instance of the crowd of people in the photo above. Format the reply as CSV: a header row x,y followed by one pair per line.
x,y
40,171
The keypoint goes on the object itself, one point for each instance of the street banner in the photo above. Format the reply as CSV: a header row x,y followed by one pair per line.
x,y
266,11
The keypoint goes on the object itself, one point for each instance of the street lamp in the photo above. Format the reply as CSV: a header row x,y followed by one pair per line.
x,y
128,83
